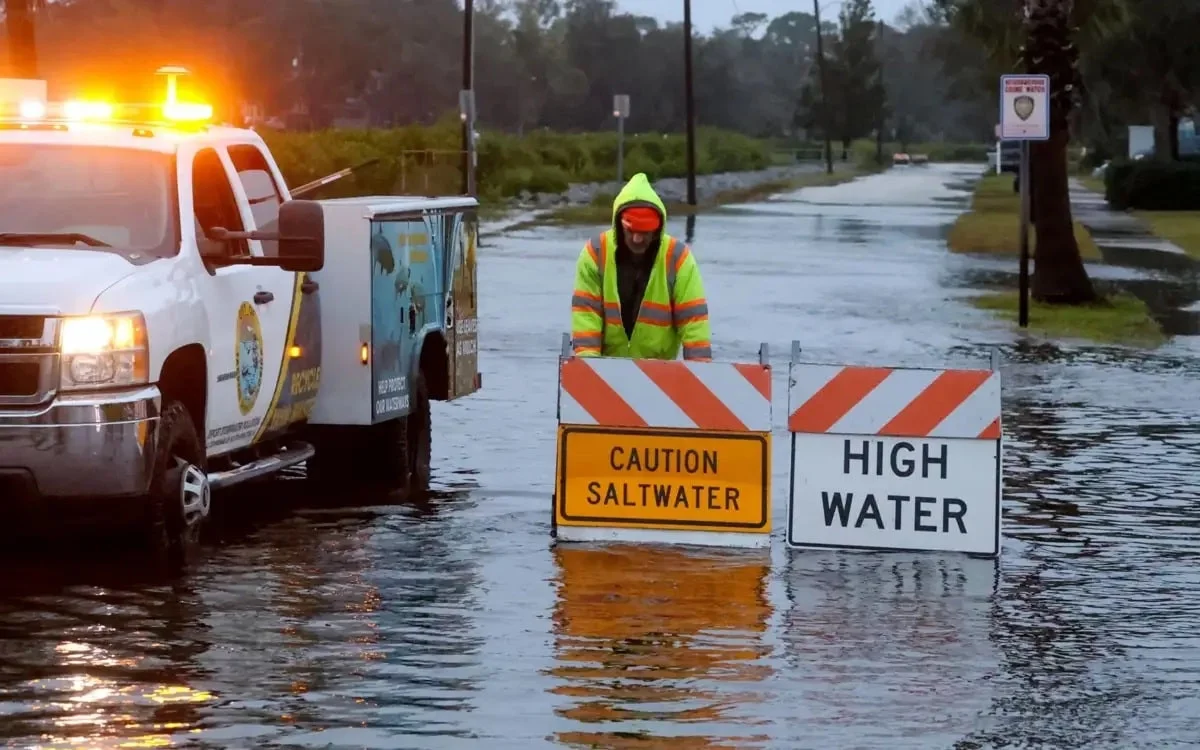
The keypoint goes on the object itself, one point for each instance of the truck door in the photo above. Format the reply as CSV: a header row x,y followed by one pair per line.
x,y
241,304
462,317
292,320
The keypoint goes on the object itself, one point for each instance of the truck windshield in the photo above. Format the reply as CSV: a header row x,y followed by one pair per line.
x,y
88,197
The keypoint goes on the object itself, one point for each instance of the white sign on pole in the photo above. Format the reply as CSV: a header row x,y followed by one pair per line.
x,y
894,459
621,105
1025,107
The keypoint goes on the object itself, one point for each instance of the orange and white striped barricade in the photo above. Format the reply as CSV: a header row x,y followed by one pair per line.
x,y
892,459
674,452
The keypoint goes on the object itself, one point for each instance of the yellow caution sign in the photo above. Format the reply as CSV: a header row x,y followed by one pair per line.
x,y
663,451
654,479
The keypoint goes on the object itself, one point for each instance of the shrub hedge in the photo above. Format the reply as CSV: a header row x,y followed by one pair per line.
x,y
428,160
1153,185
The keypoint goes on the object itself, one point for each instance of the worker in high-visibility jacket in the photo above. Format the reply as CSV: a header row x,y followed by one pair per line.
x,y
638,291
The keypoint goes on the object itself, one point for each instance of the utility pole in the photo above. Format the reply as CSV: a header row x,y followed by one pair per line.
x,y
467,99
824,90
22,41
689,104
882,96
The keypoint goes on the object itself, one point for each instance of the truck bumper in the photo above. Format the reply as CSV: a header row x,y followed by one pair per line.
x,y
81,446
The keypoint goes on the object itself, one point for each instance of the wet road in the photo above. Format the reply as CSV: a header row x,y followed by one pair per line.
x,y
371,622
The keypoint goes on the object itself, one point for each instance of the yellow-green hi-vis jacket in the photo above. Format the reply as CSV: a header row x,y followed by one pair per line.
x,y
674,310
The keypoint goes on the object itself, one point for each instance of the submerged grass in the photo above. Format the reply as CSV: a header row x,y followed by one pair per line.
x,y
1179,227
1120,319
993,223
1095,184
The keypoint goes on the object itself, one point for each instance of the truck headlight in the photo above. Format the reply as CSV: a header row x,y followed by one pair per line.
x,y
104,351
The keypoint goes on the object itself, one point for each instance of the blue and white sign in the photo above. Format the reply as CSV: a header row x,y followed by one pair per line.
x,y
1024,108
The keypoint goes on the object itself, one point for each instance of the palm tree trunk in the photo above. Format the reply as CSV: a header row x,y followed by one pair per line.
x,y
1059,276
22,47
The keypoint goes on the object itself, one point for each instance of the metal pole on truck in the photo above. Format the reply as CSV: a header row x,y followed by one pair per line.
x,y
689,103
621,111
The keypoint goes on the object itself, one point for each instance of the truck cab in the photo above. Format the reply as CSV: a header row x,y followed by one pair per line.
x,y
171,323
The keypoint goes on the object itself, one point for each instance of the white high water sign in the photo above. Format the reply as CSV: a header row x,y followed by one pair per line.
x,y
895,459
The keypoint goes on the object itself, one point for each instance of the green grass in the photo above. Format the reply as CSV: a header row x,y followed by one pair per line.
x,y
1121,319
427,160
1095,184
599,211
1180,227
993,223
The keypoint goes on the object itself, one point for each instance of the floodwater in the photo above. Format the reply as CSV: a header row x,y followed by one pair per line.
x,y
372,622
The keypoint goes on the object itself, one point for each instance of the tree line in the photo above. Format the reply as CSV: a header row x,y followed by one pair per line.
x,y
552,64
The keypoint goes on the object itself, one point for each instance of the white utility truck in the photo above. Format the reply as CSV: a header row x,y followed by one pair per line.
x,y
172,322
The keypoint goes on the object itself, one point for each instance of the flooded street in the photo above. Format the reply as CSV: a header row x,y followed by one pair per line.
x,y
371,622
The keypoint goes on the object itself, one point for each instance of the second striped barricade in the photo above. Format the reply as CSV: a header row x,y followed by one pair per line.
x,y
887,458
663,451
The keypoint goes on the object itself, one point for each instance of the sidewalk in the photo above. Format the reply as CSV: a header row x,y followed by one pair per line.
x,y
1113,229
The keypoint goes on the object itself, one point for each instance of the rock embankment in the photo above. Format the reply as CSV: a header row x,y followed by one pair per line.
x,y
670,189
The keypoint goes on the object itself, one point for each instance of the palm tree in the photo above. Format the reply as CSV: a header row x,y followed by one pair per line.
x,y
1059,275
1043,37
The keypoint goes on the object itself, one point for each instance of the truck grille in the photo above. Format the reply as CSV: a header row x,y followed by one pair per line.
x,y
20,378
21,327
28,359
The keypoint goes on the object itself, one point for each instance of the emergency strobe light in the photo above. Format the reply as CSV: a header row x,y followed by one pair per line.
x,y
24,101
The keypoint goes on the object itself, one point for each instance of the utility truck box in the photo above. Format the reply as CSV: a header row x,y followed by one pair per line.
x,y
398,327
398,285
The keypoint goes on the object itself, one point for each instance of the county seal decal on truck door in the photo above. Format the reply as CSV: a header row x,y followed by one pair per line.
x,y
248,357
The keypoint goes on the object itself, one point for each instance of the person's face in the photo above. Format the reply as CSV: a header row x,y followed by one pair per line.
x,y
637,242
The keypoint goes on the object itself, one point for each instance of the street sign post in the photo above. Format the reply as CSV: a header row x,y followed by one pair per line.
x,y
621,111
1024,117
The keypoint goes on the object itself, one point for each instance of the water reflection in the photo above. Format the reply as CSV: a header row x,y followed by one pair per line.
x,y
87,663
337,626
649,639
889,647
363,631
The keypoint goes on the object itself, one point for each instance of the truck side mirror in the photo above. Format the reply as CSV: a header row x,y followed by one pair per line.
x,y
301,236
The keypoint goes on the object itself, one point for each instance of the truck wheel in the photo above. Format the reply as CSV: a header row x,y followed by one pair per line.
x,y
419,423
179,501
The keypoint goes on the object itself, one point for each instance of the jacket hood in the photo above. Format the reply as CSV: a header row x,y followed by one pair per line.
x,y
637,192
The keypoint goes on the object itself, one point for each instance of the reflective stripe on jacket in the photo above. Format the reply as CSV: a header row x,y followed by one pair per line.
x,y
674,311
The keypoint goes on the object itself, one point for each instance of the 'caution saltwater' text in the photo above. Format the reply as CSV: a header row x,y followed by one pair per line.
x,y
663,479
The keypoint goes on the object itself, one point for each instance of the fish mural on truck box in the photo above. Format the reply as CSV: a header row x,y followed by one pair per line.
x,y
390,303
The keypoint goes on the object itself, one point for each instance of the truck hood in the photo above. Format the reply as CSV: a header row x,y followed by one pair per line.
x,y
53,280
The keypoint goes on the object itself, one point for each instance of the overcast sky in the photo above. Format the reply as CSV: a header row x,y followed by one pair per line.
x,y
707,14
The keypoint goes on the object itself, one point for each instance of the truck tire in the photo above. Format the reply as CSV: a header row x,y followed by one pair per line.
x,y
419,439
389,454
179,500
